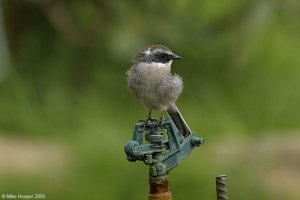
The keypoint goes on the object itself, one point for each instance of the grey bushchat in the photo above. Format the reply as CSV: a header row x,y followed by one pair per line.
x,y
151,80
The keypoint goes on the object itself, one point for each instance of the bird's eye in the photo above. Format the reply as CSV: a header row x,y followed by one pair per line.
x,y
163,55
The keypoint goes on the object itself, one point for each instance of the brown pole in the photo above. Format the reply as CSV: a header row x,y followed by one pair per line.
x,y
159,190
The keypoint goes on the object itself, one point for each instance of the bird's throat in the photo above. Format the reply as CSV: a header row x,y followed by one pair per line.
x,y
155,67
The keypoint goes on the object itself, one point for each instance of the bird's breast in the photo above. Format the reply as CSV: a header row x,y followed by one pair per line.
x,y
154,85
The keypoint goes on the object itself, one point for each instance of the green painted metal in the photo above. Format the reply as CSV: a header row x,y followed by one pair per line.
x,y
160,145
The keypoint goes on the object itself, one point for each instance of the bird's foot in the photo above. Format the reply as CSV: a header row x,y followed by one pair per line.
x,y
149,121
162,118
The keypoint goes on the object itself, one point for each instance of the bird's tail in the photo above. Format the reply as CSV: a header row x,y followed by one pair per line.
x,y
179,121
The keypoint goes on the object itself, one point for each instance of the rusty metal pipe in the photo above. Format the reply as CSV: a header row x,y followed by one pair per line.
x,y
221,186
159,190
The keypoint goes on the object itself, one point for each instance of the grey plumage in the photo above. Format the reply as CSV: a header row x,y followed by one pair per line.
x,y
151,80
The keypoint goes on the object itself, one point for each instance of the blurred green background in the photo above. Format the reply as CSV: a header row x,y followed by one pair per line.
x,y
65,111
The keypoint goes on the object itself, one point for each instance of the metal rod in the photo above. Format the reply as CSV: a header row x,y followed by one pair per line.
x,y
159,190
221,185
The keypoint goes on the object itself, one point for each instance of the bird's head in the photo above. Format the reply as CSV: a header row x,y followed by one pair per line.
x,y
155,54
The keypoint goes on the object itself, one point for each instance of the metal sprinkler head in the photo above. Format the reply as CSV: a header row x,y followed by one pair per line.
x,y
161,146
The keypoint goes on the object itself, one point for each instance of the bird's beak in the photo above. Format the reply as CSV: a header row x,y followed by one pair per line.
x,y
176,57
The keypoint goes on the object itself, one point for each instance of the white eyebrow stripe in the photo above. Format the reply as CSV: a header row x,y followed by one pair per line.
x,y
147,51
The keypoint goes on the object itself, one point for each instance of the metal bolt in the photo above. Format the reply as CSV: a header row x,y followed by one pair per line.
x,y
197,141
160,167
148,159
221,184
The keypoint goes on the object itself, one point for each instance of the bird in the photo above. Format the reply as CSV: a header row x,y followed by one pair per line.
x,y
151,80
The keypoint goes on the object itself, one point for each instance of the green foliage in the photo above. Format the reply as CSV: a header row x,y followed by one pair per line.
x,y
67,81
